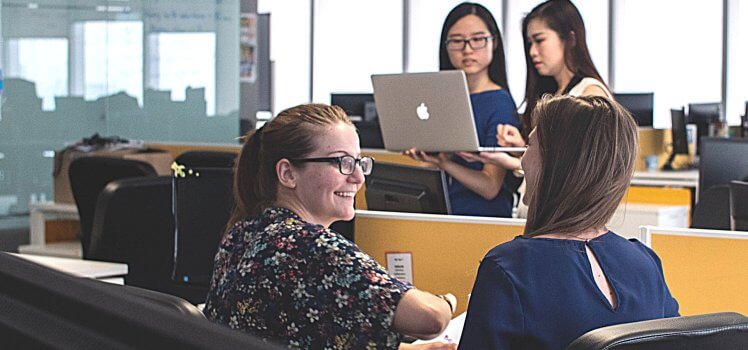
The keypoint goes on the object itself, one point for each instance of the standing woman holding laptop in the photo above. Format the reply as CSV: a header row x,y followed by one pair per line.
x,y
558,63
471,42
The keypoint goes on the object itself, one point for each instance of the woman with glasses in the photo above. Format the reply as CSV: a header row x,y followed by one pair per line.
x,y
558,63
471,42
282,274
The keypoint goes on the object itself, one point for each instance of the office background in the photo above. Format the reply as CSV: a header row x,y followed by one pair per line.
x,y
168,70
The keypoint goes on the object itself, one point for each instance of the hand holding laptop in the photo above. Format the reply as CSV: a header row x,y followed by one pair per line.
x,y
436,158
501,159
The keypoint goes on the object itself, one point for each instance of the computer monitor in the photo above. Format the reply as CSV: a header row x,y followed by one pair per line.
x,y
203,201
403,188
704,115
679,135
641,106
722,160
47,309
360,107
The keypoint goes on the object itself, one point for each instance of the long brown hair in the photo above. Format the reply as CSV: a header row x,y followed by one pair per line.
x,y
291,134
564,18
587,148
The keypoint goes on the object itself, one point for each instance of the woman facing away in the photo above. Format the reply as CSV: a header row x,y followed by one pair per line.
x,y
471,42
558,63
567,274
280,272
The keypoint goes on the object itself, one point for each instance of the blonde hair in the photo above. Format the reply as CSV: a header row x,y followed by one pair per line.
x,y
588,149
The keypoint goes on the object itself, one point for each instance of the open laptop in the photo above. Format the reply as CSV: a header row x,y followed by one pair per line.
x,y
427,111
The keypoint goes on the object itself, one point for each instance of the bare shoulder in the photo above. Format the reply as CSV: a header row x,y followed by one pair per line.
x,y
594,90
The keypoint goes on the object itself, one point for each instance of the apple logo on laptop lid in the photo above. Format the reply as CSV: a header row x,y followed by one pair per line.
x,y
422,111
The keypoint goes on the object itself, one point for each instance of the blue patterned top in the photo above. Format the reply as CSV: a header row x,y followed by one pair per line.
x,y
539,293
292,282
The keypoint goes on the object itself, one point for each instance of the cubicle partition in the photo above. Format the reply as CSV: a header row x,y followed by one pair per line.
x,y
444,250
706,270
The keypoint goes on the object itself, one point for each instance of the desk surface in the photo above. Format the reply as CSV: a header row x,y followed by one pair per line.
x,y
78,267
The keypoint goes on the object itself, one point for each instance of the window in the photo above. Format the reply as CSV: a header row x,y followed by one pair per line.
x,y
354,39
289,50
737,56
43,61
425,22
675,54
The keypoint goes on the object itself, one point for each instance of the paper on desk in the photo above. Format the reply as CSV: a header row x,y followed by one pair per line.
x,y
451,334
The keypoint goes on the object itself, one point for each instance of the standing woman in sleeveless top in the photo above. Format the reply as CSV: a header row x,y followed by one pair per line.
x,y
558,63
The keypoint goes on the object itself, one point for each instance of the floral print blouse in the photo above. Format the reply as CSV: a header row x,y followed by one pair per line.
x,y
292,282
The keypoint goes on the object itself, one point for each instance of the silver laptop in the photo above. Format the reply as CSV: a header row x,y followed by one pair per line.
x,y
427,111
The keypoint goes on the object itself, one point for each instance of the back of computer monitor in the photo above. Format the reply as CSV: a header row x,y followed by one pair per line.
x,y
203,201
395,187
680,136
356,105
641,106
703,115
722,160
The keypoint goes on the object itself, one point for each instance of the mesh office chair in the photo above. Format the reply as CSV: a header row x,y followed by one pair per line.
x,y
207,159
713,209
89,175
726,331
739,205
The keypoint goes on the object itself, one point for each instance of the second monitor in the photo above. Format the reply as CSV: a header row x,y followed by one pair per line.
x,y
395,187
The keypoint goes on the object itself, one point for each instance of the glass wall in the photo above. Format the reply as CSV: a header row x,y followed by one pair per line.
x,y
159,70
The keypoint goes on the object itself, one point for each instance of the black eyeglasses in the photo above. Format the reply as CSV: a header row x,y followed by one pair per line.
x,y
475,43
346,164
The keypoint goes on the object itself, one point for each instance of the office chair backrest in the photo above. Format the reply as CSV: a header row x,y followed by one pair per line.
x,y
207,159
133,224
726,330
89,175
739,205
712,211
170,302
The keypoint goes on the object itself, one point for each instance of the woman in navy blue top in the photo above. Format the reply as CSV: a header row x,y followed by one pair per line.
x,y
471,42
568,274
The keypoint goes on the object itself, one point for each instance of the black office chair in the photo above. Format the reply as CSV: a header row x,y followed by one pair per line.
x,y
89,175
207,159
739,205
724,331
713,209
164,300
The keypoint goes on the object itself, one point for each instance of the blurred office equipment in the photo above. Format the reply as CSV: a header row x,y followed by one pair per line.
x,y
679,137
722,161
203,200
44,308
641,106
726,330
88,176
705,116
363,112
207,159
739,205
403,188
744,122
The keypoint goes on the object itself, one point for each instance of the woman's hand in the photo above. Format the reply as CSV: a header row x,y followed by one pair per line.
x,y
438,159
509,136
429,346
501,159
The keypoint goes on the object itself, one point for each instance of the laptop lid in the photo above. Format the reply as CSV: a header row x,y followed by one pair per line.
x,y
428,111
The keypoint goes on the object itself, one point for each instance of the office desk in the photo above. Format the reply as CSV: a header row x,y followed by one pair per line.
x,y
104,271
39,213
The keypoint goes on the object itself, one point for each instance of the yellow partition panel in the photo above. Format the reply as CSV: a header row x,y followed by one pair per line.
x,y
705,274
658,195
445,255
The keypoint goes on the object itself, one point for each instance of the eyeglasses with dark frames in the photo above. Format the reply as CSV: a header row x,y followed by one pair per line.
x,y
476,43
346,164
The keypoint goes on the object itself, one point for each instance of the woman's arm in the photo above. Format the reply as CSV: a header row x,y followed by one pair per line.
x,y
486,183
421,314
